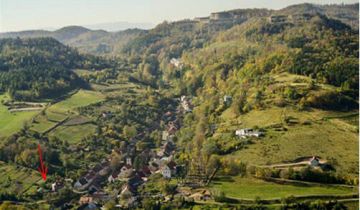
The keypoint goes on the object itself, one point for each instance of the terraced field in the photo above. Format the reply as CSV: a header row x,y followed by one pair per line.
x,y
74,133
66,109
17,179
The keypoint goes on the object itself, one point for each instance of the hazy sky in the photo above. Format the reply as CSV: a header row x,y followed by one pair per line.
x,y
18,15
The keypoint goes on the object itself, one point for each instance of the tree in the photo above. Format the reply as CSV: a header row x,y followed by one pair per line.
x,y
115,162
110,205
129,131
169,189
139,162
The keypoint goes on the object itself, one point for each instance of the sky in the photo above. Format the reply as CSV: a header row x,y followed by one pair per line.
x,y
16,15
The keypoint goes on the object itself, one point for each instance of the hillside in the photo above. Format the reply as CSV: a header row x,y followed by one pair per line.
x,y
282,83
345,13
41,67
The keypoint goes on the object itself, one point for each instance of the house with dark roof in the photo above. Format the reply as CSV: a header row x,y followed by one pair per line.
x,y
81,184
135,181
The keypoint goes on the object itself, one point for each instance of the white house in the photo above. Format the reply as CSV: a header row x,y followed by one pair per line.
x,y
176,62
128,161
165,135
53,186
185,103
166,172
247,132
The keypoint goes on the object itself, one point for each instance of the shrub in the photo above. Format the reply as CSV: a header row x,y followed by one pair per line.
x,y
331,100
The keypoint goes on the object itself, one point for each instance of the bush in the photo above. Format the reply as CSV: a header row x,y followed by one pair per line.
x,y
331,101
220,197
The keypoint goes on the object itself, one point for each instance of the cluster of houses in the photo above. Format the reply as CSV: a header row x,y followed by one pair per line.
x,y
158,161
126,172
185,104
92,179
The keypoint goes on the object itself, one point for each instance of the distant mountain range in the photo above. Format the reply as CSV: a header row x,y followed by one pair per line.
x,y
95,40
86,40
119,26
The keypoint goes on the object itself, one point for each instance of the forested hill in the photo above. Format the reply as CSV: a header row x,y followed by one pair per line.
x,y
346,13
41,67
316,46
280,76
322,51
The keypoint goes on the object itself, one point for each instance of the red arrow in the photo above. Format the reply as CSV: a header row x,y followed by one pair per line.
x,y
42,168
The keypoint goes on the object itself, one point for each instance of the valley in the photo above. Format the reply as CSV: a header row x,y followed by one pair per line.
x,y
244,109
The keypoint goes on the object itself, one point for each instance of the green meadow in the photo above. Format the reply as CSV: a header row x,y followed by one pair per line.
x,y
74,133
250,188
12,122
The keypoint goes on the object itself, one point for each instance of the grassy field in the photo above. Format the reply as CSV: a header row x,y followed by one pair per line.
x,y
125,89
66,108
73,134
249,188
16,179
332,139
81,98
12,122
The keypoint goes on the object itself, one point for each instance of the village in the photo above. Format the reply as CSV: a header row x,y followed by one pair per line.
x,y
121,166
127,170
123,169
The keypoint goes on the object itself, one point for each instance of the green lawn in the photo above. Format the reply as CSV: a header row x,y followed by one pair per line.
x,y
81,98
55,116
12,122
249,188
17,179
42,126
73,134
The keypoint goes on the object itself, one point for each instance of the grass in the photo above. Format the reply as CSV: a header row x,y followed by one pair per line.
x,y
66,108
328,134
249,188
73,134
55,116
12,122
42,125
17,179
80,99
333,139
